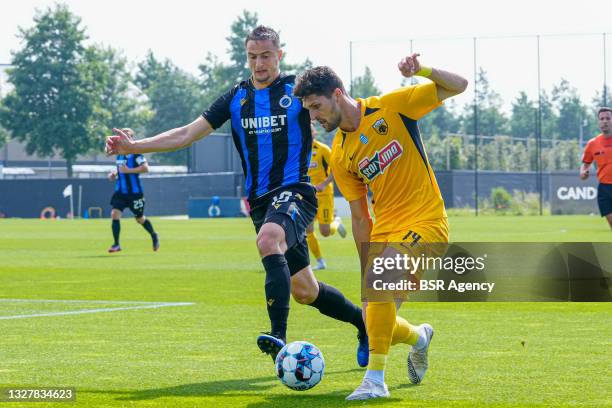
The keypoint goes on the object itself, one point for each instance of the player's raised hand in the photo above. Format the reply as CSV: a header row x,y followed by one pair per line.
x,y
119,143
410,65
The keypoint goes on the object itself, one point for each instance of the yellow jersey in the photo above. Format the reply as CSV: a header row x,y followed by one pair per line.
x,y
319,166
386,154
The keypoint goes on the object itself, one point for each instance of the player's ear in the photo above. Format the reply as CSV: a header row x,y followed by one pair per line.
x,y
280,54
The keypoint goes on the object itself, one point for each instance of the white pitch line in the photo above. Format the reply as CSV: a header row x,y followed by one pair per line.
x,y
102,310
116,302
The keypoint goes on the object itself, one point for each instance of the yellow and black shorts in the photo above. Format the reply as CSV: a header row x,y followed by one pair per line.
x,y
325,213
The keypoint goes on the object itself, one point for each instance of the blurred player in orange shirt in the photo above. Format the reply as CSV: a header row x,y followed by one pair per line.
x,y
322,178
599,150
378,147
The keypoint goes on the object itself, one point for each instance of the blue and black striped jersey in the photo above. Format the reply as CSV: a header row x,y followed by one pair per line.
x,y
129,183
271,132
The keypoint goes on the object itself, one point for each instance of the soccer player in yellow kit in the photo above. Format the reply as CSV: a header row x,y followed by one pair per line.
x,y
378,146
322,178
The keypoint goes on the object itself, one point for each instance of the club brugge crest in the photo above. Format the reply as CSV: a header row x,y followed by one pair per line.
x,y
381,127
285,101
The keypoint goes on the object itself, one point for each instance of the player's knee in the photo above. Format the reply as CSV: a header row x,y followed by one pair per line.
x,y
304,295
140,220
324,230
115,214
268,243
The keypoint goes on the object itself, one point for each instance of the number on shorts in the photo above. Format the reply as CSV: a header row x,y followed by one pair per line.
x,y
412,236
282,197
138,204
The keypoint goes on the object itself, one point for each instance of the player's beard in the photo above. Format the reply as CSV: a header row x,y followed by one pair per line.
x,y
333,123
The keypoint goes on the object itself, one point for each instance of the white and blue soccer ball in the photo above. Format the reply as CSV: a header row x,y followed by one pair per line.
x,y
300,365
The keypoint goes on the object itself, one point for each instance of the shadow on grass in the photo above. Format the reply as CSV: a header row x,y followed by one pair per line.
x,y
261,386
109,256
333,399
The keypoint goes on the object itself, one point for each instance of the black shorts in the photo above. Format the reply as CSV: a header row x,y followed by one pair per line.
x,y
135,202
293,208
604,198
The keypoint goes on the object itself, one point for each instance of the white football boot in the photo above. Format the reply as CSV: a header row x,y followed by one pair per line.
x,y
417,358
369,389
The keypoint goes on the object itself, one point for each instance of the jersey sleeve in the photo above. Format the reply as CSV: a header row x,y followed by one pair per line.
x,y
413,101
219,112
140,159
587,156
351,186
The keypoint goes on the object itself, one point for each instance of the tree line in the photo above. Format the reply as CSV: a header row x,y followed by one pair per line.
x,y
66,96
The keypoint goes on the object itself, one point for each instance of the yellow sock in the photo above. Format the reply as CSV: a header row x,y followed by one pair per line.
x,y
313,244
404,332
333,227
380,322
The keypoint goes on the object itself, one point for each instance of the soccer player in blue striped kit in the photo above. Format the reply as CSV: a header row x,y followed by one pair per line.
x,y
129,194
271,131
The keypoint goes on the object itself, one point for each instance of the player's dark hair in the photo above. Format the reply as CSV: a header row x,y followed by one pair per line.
x,y
317,81
263,33
604,109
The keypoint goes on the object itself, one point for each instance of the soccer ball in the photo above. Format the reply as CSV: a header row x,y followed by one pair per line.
x,y
300,365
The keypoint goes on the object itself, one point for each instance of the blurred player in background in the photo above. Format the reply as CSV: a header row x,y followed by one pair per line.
x,y
271,132
322,178
378,147
129,194
599,150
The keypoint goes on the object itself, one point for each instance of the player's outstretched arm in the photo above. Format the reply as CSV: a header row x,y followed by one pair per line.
x,y
143,168
174,139
447,83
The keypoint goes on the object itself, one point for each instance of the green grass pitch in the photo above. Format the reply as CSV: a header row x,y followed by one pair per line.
x,y
204,354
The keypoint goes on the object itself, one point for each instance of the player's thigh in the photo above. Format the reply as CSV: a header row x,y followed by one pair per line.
x,y
426,239
137,205
430,232
293,209
119,202
271,238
